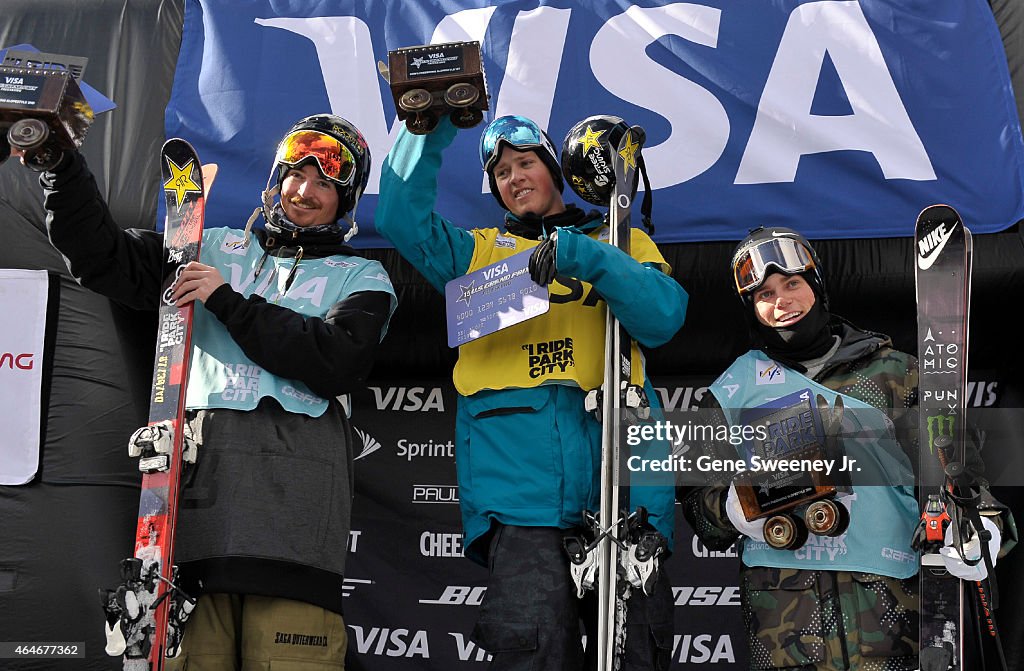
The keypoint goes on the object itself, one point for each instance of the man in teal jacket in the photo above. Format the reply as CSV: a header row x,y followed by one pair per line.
x,y
528,453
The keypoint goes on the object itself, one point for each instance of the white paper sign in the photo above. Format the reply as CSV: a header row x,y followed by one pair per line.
x,y
23,295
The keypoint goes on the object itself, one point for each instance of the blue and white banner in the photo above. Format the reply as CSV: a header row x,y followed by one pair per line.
x,y
841,118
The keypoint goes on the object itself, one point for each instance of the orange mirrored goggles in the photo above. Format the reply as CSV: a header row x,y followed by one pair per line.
x,y
785,254
334,159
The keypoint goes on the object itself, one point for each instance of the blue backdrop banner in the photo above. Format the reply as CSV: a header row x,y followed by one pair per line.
x,y
837,117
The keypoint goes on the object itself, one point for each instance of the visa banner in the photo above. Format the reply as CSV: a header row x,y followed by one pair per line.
x,y
840,118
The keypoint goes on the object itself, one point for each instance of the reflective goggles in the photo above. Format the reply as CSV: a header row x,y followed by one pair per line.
x,y
334,159
786,254
516,131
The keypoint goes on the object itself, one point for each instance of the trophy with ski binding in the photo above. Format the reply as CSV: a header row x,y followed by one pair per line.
x,y
800,426
42,108
430,80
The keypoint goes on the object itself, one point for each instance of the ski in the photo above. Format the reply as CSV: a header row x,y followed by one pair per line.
x,y
943,281
148,600
610,594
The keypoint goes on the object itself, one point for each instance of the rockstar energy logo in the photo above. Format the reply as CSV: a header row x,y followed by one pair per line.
x,y
939,425
181,181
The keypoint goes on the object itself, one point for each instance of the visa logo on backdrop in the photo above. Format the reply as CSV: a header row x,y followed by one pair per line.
x,y
830,116
784,129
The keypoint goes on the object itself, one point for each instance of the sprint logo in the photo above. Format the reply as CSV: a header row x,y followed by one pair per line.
x,y
370,444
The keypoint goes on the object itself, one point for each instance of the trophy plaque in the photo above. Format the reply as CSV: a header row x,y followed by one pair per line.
x,y
42,109
430,80
800,426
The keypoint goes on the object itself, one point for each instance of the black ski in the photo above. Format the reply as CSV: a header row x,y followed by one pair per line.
x,y
943,279
618,347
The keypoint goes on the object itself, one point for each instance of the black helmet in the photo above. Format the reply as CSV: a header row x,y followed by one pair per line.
x,y
782,248
521,134
338,150
587,157
587,160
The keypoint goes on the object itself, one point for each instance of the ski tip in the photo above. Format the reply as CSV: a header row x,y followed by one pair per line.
x,y
939,211
639,134
179,144
209,174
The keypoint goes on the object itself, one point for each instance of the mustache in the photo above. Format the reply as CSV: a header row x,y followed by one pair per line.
x,y
299,200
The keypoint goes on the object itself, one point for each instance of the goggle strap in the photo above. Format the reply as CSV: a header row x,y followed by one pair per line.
x,y
265,209
248,225
350,216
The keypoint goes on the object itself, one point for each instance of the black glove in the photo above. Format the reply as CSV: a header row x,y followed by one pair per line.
x,y
542,261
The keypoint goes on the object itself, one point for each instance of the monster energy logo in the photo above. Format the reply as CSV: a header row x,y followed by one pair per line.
x,y
939,425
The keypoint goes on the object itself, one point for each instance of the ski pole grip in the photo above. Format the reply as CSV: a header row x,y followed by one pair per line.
x,y
956,472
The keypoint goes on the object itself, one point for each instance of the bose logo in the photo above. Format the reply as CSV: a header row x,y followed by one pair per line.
x,y
459,595
706,596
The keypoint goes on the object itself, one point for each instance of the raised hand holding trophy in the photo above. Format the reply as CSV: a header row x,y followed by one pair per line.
x,y
42,108
430,80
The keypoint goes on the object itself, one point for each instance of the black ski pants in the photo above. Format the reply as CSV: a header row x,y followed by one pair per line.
x,y
531,619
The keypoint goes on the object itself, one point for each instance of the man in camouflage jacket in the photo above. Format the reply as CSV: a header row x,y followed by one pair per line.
x,y
805,608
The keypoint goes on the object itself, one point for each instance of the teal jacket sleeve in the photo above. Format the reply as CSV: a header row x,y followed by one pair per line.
x,y
653,490
649,303
405,210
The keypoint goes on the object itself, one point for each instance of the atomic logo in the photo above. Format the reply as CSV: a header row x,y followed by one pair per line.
x,y
180,181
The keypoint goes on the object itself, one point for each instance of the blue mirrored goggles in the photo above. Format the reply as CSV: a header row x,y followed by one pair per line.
x,y
517,131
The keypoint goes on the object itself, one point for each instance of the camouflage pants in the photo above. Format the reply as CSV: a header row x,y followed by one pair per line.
x,y
530,619
829,620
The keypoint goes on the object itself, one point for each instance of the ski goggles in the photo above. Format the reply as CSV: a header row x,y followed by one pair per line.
x,y
516,131
786,254
333,158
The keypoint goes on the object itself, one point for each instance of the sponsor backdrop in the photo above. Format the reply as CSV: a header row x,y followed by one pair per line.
x,y
412,596
842,118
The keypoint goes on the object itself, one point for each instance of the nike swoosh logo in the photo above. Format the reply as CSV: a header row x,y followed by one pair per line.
x,y
776,234
925,261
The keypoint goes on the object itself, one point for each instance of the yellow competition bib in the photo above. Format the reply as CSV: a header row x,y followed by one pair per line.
x,y
565,346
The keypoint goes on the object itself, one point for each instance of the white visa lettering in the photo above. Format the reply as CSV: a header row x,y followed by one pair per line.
x,y
784,129
465,648
391,642
696,649
409,398
619,59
